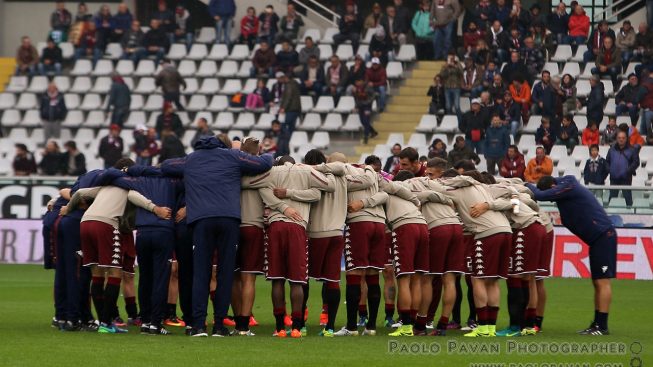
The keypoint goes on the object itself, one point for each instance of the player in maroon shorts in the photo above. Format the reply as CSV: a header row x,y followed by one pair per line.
x,y
545,269
286,251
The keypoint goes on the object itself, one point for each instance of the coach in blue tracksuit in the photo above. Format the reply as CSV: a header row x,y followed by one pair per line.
x,y
212,178
581,213
155,240
184,254
50,222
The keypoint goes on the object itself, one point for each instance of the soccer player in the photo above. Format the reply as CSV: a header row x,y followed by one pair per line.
x,y
595,229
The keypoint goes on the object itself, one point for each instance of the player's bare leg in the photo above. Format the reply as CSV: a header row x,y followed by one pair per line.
x,y
129,294
247,294
173,294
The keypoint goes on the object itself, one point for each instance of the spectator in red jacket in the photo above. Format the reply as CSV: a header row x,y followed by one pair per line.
x,y
591,134
513,164
579,27
249,28
376,78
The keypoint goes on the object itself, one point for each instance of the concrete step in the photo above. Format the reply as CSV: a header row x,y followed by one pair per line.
x,y
406,118
424,73
431,65
424,83
408,91
404,108
423,100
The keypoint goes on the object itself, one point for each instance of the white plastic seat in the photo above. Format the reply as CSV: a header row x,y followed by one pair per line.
x,y
206,35
218,103
224,121
236,134
192,86
314,33
328,35
10,118
74,118
581,123
552,67
198,51
136,118
587,72
311,122
72,101
102,85
7,101
562,53
417,140
363,51
325,52
394,70
578,56
558,152
187,68
243,71
231,86
345,52
298,139
197,102
82,67
91,102
250,85
209,86
125,67
228,69
526,143
352,123
62,83
571,68
38,84
27,101
332,122
631,68
18,134
264,121
449,124
67,50
95,119
81,85
32,118
580,154
428,123
608,88
177,51
258,134
534,122
324,104
146,85
321,139
239,52
465,104
407,53
114,51
154,103
102,68
245,121
145,68
218,52
306,103
17,84
583,88
346,104
395,138
208,68
137,102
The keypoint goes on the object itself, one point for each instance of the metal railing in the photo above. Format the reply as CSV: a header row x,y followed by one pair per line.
x,y
612,12
319,10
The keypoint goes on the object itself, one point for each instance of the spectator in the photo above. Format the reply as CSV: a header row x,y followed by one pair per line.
x,y
473,125
579,27
502,12
515,42
558,23
171,147
596,168
623,160
119,99
498,88
643,43
471,37
167,20
268,25
533,57
170,82
510,113
544,135
646,101
542,38
519,17
499,41
356,71
568,94
27,58
184,31
395,27
290,106
81,19
275,94
591,134
626,42
287,59
132,43
483,14
310,49
596,99
122,22
259,98
263,61
438,149
635,139
472,77
482,55
521,93
568,134
53,111
443,17
51,163
596,41
60,22
51,59
146,147
628,99
169,120
543,96
290,25
436,92
336,78
380,46
364,96
376,78
487,104
461,152
104,23
373,20
649,134
514,69
513,164
497,141
609,136
452,78
349,26
608,60
421,26
156,42
393,161
23,164
249,28
312,78
111,146
539,166
203,131
223,12
88,44
73,161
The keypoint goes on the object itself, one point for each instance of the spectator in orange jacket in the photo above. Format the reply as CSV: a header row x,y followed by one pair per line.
x,y
521,93
634,137
591,134
513,164
539,166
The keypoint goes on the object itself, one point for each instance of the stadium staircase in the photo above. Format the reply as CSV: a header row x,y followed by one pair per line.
x,y
7,68
405,109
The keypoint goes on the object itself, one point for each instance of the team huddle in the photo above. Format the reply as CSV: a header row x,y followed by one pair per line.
x,y
223,215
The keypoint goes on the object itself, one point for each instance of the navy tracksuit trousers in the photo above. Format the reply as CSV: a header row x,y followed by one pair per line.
x,y
184,254
154,247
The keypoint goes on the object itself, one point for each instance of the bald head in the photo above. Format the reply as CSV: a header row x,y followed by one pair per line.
x,y
337,157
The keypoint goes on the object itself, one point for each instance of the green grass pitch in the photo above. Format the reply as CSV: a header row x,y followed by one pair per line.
x,y
26,338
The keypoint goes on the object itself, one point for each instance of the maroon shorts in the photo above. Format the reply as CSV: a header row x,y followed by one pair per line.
x,y
251,249
390,238
410,251
100,244
546,251
525,251
365,245
128,252
324,257
446,249
468,244
286,253
492,256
